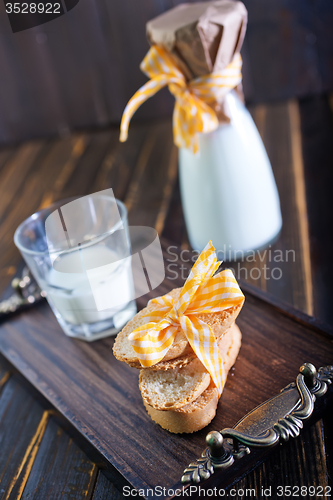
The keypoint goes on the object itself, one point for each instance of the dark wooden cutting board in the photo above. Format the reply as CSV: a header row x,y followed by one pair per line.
x,y
100,398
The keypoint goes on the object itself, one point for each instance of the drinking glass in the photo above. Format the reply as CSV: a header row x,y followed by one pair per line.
x,y
79,252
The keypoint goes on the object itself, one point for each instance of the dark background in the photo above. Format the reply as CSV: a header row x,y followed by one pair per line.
x,y
80,69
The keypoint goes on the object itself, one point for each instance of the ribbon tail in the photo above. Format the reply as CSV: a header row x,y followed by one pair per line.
x,y
204,344
143,94
181,128
191,116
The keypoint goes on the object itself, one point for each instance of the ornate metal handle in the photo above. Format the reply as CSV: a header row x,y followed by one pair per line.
x,y
276,419
26,293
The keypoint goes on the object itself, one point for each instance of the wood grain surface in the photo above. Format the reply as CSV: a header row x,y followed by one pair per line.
x,y
38,459
24,421
88,162
60,466
100,396
80,69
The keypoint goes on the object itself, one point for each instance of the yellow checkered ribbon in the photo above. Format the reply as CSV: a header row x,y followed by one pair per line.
x,y
202,293
192,113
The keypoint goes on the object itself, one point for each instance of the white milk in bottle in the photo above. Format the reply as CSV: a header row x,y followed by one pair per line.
x,y
228,189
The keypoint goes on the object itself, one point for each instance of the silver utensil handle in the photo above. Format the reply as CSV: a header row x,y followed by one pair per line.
x,y
26,293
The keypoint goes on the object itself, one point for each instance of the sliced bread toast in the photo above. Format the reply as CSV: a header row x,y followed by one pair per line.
x,y
199,413
190,418
171,389
219,322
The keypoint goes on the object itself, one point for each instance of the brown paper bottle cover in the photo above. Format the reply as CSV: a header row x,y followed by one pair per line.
x,y
202,38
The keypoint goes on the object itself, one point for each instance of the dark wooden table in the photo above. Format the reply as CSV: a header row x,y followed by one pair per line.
x,y
40,457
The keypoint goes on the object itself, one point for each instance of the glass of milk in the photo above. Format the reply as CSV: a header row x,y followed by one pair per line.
x,y
79,253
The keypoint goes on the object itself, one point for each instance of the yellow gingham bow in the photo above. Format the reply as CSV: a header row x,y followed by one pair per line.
x,y
202,293
192,113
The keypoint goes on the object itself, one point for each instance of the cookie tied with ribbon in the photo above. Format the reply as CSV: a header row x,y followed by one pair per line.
x,y
203,292
196,53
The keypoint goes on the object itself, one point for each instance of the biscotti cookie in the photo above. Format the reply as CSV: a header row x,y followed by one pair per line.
x,y
200,412
219,323
171,389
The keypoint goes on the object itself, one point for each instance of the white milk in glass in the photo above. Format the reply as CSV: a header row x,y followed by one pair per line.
x,y
228,189
71,294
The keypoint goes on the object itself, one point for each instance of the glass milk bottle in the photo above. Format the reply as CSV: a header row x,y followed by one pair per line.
x,y
228,189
